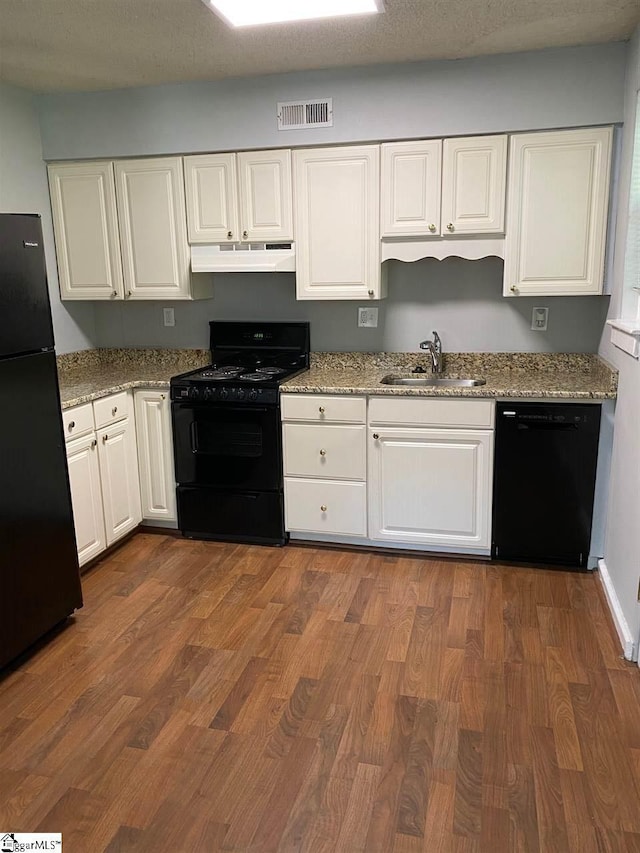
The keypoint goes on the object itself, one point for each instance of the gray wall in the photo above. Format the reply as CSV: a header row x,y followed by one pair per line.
x,y
23,189
622,543
545,89
461,299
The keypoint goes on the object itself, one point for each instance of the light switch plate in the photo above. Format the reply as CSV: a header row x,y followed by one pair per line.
x,y
368,318
169,316
539,319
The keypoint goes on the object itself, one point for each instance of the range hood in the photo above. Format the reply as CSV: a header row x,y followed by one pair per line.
x,y
244,257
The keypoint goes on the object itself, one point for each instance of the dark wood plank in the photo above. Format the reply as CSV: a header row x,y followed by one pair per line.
x,y
229,697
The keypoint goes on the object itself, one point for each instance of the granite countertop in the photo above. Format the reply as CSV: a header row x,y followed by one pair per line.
x,y
91,374
565,376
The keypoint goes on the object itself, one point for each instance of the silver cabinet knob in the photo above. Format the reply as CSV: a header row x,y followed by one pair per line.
x,y
513,289
323,508
376,436
245,234
371,293
162,396
451,227
432,228
323,452
321,410
229,234
114,293
128,294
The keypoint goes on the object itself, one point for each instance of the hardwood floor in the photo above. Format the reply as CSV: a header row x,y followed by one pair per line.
x,y
219,697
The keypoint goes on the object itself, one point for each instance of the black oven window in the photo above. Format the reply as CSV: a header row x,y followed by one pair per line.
x,y
230,439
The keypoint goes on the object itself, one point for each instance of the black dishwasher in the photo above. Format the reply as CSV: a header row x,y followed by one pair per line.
x,y
544,482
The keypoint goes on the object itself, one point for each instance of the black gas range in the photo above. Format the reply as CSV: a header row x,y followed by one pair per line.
x,y
227,435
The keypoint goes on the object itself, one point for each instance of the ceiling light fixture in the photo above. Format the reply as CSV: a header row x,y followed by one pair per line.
x,y
246,13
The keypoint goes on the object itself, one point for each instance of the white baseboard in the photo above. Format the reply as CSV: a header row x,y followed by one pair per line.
x,y
622,626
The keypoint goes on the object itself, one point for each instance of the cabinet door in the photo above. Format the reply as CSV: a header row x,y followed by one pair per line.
x,y
155,456
557,212
266,204
83,203
212,198
86,497
153,231
430,487
410,200
337,223
474,171
119,475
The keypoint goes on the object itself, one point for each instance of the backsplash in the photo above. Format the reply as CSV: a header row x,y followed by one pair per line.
x,y
461,299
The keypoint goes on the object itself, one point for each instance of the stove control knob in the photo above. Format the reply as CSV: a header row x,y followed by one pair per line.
x,y
206,393
253,394
240,393
193,393
224,393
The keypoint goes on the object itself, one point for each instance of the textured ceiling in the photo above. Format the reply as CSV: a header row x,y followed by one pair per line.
x,y
54,45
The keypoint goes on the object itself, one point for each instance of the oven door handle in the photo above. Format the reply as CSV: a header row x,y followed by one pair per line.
x,y
192,436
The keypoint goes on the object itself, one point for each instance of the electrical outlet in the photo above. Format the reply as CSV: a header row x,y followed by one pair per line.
x,y
539,319
368,318
169,316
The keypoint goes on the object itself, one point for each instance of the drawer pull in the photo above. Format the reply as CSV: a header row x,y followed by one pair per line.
x,y
114,410
93,444
376,436
105,438
72,424
321,410
323,452
323,508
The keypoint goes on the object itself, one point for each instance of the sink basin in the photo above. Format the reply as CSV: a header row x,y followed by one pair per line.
x,y
431,381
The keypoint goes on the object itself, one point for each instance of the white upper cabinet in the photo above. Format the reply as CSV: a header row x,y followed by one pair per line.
x,y
266,204
83,204
474,173
410,198
239,198
153,231
337,223
557,212
211,184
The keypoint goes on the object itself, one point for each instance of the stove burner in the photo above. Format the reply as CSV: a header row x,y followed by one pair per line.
x,y
271,371
254,377
221,373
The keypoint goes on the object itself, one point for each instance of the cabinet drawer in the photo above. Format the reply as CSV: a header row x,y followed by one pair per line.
x,y
326,506
77,421
324,409
319,450
478,414
111,409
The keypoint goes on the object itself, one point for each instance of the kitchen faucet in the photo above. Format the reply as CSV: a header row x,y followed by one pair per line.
x,y
434,348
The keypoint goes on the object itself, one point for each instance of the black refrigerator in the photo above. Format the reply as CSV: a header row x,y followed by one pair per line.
x,y
39,575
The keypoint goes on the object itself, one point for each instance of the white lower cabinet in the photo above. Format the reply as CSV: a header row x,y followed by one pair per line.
x,y
86,497
103,473
325,467
155,457
430,487
392,470
119,476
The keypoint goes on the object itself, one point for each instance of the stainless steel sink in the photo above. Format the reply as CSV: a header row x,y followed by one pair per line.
x,y
432,381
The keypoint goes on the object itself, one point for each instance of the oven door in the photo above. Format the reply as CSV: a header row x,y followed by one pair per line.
x,y
233,447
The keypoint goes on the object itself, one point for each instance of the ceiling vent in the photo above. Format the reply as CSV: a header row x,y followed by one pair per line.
x,y
298,115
